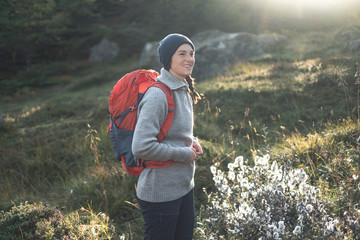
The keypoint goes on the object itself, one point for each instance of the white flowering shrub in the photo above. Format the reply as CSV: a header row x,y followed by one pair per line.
x,y
264,202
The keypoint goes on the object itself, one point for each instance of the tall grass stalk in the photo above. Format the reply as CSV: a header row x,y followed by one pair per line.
x,y
357,82
100,170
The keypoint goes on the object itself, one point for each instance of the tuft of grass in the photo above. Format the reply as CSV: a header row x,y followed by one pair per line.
x,y
41,221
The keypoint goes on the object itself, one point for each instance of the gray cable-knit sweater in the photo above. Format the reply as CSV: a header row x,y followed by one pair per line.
x,y
175,181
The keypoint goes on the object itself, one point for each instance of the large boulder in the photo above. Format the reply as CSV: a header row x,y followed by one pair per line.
x,y
104,51
216,51
348,33
268,40
149,56
350,37
354,45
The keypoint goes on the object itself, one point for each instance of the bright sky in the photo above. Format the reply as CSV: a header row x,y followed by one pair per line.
x,y
302,7
312,3
322,3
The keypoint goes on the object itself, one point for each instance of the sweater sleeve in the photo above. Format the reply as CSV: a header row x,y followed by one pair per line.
x,y
152,112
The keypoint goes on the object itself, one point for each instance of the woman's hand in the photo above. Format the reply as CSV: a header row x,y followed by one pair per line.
x,y
197,148
193,155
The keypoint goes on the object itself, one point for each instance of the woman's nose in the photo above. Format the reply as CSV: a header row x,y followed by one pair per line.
x,y
190,58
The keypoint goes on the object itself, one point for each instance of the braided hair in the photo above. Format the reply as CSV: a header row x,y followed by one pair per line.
x,y
195,94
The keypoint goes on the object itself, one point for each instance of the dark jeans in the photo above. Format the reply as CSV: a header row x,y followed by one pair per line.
x,y
172,220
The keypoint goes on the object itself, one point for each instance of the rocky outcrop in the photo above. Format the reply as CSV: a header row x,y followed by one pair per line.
x,y
350,36
216,51
149,56
104,51
268,40
354,45
348,33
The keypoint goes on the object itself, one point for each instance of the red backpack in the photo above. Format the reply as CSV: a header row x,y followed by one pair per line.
x,y
123,102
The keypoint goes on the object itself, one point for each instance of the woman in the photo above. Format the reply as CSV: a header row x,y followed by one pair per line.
x,y
166,195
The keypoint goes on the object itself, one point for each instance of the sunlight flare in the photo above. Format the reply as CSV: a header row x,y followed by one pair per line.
x,y
313,3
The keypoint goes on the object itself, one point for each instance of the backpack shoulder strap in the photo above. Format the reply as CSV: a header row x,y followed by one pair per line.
x,y
171,105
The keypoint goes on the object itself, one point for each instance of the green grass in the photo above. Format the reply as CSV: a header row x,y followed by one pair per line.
x,y
331,158
301,103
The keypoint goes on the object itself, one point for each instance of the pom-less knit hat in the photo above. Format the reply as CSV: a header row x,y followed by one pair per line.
x,y
169,45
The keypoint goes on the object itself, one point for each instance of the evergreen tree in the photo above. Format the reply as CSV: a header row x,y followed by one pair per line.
x,y
25,25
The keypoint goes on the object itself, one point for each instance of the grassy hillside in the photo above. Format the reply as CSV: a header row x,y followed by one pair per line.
x,y
299,103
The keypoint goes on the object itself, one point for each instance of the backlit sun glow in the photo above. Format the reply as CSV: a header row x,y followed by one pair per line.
x,y
304,7
312,3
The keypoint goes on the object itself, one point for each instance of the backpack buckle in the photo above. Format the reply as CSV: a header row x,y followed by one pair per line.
x,y
132,108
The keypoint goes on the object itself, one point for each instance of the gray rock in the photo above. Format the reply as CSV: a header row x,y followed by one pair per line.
x,y
104,51
271,39
216,55
149,56
348,33
354,45
208,38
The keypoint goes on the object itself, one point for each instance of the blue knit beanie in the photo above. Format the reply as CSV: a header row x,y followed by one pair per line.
x,y
169,45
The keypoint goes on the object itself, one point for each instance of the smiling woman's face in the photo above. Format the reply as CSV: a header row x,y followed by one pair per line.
x,y
182,62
